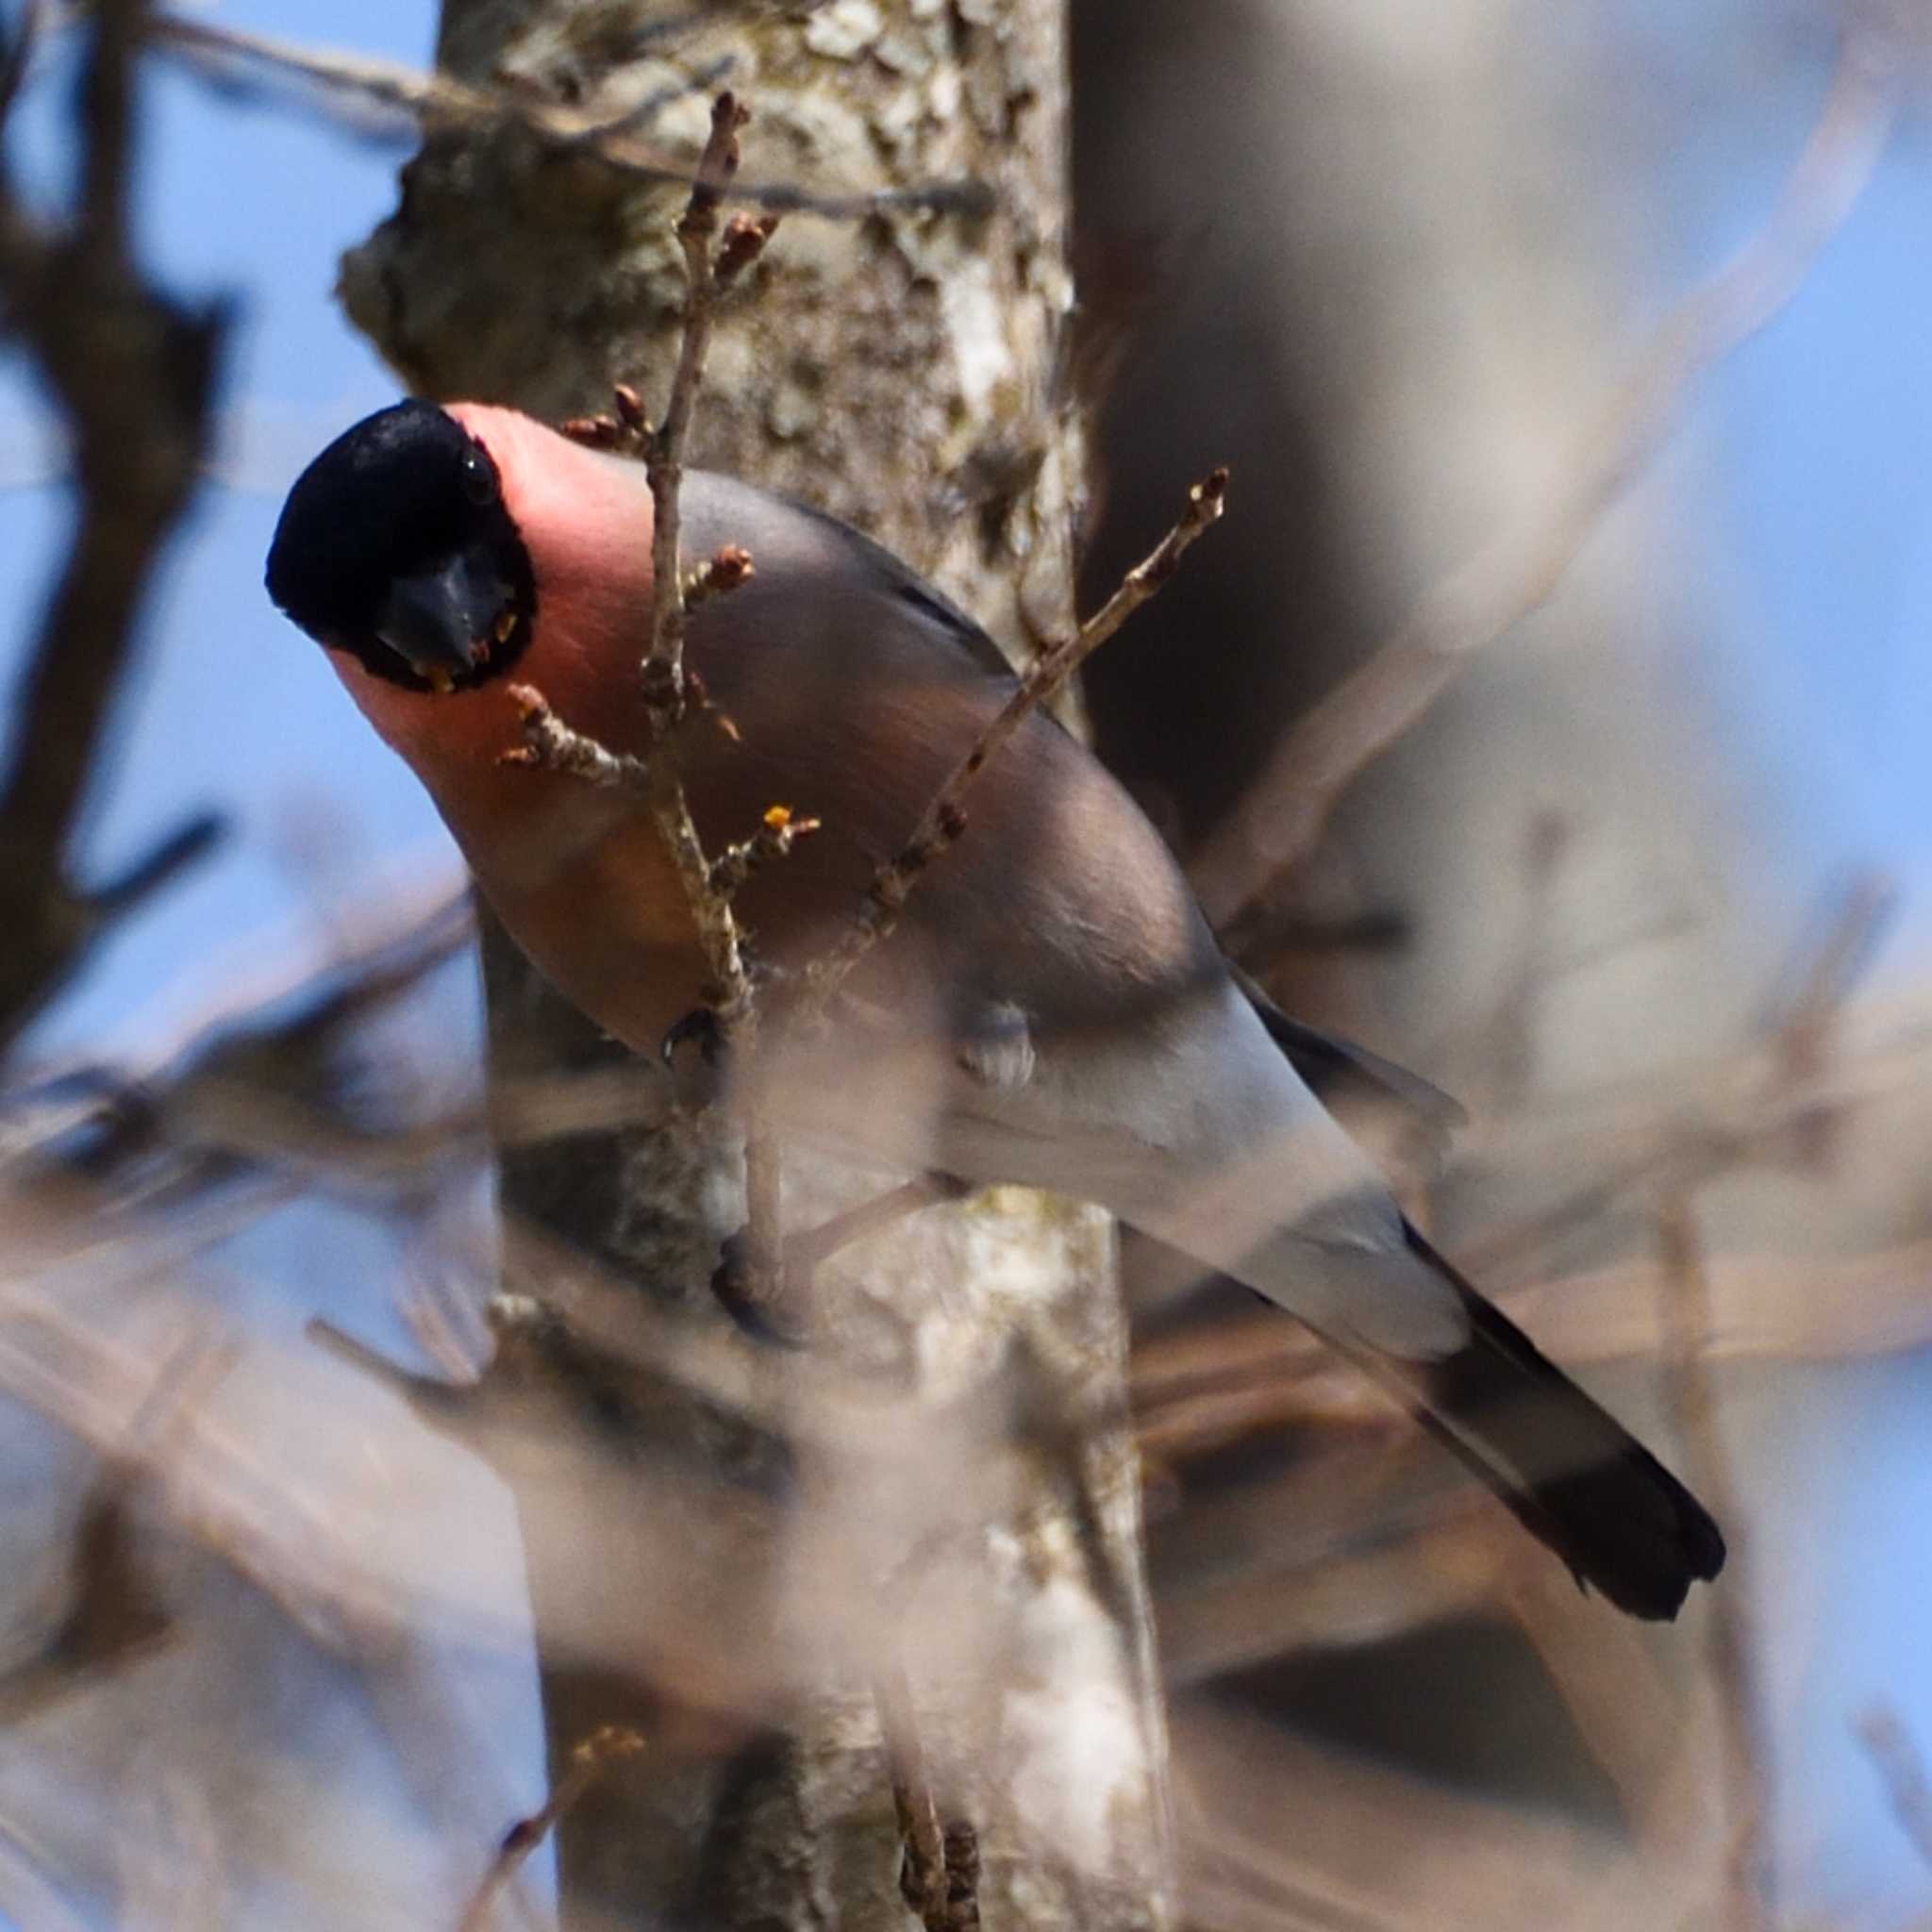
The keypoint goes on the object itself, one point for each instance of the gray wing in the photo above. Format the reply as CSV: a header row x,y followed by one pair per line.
x,y
723,503
1330,1065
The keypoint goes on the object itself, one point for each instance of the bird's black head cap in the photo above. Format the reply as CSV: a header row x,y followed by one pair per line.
x,y
395,547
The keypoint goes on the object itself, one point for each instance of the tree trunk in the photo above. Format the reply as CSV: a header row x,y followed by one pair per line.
x,y
738,1590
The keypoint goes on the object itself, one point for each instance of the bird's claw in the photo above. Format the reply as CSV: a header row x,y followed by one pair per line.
x,y
701,1024
762,1317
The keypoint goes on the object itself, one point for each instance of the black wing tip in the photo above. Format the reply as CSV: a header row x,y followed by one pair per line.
x,y
1616,1517
1631,1532
1326,1063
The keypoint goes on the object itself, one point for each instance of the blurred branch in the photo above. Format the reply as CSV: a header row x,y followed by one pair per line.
x,y
158,867
1280,1835
351,84
1251,1375
134,373
1807,1033
262,1074
113,1617
20,53
750,1278
1629,1710
1282,817
1902,1767
28,1895
1747,1867
114,1614
212,1485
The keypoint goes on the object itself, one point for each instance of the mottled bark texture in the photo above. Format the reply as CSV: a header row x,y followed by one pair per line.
x,y
982,1522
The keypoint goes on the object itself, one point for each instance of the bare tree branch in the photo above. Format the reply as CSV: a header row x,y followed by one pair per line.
x,y
19,56
708,888
134,373
1899,1764
354,85
1282,817
1746,1901
664,461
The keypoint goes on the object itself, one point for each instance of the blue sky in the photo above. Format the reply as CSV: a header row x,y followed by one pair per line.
x,y
229,707
1816,548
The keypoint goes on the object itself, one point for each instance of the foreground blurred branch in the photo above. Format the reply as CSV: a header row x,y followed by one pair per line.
x,y
1279,820
133,371
1902,1768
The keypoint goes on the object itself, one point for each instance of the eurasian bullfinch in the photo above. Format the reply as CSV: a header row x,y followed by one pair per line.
x,y
1053,1009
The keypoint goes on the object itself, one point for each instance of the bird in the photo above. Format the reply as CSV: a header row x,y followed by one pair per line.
x,y
1052,1009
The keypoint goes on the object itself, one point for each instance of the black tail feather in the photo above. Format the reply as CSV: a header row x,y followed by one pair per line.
x,y
1576,1478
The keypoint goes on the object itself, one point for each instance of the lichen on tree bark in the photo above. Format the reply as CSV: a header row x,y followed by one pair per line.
x,y
899,369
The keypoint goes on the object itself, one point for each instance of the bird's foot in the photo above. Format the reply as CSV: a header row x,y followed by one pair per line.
x,y
765,1310
697,1079
701,1029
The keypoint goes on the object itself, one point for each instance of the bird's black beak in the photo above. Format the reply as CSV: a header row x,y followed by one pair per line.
x,y
444,622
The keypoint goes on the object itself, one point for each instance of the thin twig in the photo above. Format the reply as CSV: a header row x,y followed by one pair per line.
x,y
809,1247
777,833
939,1872
1281,820
945,819
356,84
550,744
670,695
211,1482
589,1760
663,667
664,464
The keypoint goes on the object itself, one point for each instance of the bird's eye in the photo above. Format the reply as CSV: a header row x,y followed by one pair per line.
x,y
479,477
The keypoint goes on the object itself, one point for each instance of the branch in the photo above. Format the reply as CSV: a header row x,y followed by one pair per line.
x,y
708,886
350,86
1282,817
1903,1770
945,819
550,744
664,464
589,1760
1733,1652
210,1481
19,56
134,375
939,1871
